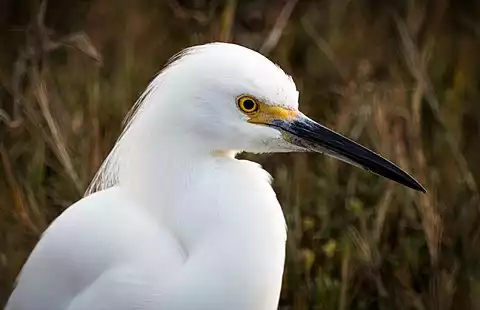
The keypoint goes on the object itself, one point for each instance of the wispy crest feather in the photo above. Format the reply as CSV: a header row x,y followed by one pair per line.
x,y
108,173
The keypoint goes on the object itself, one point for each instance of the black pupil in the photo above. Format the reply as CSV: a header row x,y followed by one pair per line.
x,y
248,104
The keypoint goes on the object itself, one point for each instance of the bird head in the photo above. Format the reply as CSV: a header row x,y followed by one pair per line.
x,y
227,98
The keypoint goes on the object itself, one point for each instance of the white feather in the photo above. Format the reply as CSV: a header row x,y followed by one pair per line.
x,y
172,220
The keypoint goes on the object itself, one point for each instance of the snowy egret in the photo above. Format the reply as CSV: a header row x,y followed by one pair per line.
x,y
172,220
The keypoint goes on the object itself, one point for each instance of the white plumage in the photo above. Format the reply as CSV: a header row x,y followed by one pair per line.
x,y
172,219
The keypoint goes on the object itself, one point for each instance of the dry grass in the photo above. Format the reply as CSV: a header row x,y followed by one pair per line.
x,y
401,77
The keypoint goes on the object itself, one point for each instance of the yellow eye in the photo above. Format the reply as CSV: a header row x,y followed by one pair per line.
x,y
247,104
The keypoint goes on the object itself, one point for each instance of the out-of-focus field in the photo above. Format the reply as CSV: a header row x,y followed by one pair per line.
x,y
402,77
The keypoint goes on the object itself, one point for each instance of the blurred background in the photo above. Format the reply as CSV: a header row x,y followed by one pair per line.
x,y
402,77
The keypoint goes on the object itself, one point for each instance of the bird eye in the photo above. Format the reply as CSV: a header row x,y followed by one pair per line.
x,y
247,104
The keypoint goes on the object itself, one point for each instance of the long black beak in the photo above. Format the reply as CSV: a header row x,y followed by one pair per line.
x,y
312,136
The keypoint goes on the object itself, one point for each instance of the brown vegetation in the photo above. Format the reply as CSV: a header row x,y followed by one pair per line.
x,y
402,77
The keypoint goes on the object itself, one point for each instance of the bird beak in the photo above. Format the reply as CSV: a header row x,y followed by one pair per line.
x,y
314,137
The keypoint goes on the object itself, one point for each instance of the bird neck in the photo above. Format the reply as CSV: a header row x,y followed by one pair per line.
x,y
223,211
187,188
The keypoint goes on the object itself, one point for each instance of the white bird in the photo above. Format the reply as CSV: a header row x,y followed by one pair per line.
x,y
172,220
